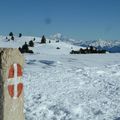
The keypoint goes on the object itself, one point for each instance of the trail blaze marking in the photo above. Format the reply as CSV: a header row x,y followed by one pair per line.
x,y
15,85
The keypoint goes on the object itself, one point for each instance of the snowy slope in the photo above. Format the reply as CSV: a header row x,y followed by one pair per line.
x,y
61,86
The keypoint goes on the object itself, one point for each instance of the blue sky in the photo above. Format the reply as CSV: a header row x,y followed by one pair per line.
x,y
79,19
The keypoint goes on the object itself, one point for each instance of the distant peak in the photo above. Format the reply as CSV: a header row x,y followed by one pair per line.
x,y
57,36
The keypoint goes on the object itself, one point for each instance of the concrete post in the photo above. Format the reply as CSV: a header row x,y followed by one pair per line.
x,y
11,86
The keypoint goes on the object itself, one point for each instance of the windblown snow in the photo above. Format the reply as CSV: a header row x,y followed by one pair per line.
x,y
61,86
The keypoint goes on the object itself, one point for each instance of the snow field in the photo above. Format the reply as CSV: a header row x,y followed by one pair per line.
x,y
60,86
73,87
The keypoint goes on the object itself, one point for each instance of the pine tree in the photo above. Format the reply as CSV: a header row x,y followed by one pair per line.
x,y
20,34
11,34
33,39
31,43
12,38
25,47
43,40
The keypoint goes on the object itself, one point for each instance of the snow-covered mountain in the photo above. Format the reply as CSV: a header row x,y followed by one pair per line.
x,y
109,45
61,37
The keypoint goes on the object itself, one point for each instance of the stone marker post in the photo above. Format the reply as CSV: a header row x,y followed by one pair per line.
x,y
11,85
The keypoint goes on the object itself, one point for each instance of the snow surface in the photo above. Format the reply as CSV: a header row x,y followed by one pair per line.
x,y
61,86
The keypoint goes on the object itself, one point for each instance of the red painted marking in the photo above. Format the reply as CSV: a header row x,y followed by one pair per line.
x,y
11,77
19,89
11,90
11,71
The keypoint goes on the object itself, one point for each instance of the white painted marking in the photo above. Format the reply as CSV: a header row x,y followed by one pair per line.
x,y
15,81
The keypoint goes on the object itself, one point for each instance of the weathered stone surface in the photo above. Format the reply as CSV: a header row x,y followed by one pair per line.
x,y
10,108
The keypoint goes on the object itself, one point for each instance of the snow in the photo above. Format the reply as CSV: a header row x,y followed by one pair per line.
x,y
61,86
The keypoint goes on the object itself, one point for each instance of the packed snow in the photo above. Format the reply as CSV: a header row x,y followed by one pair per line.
x,y
61,86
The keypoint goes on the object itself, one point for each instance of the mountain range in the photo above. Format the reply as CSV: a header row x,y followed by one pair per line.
x,y
112,46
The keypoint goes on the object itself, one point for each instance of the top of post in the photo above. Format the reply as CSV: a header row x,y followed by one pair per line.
x,y
9,56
